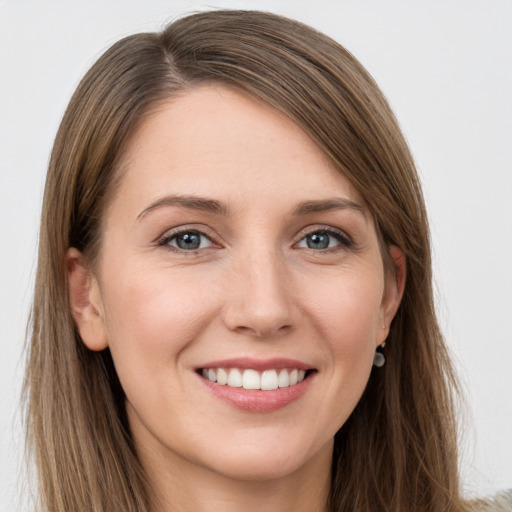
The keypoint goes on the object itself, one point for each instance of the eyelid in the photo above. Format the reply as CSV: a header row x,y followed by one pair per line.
x,y
322,227
174,232
344,239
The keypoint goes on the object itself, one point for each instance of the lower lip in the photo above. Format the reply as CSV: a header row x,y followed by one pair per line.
x,y
256,400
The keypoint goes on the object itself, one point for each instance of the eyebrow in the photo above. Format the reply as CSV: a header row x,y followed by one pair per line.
x,y
189,202
216,207
325,205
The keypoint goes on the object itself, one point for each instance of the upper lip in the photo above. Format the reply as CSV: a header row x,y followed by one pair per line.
x,y
245,363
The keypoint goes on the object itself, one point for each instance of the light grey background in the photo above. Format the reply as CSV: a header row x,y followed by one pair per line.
x,y
446,67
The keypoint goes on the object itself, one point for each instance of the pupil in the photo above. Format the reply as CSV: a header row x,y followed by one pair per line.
x,y
318,241
188,241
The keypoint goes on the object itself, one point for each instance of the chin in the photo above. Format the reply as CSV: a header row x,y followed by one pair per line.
x,y
260,469
261,461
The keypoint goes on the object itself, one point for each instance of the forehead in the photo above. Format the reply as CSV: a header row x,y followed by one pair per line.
x,y
215,140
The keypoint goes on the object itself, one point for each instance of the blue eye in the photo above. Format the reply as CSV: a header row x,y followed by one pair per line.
x,y
323,239
190,240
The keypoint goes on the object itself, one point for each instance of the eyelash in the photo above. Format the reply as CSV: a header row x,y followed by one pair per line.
x,y
344,241
165,241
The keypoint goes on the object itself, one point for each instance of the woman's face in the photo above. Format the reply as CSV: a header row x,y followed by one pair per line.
x,y
234,251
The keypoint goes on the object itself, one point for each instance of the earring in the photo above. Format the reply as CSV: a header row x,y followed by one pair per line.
x,y
379,360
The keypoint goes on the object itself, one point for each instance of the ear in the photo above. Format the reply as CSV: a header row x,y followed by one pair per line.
x,y
85,300
393,292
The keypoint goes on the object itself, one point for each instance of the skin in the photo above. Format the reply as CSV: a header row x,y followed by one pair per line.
x,y
253,288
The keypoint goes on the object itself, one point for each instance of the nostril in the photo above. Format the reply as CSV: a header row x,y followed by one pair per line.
x,y
268,331
261,329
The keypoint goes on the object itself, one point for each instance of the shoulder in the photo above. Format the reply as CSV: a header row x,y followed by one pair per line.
x,y
502,502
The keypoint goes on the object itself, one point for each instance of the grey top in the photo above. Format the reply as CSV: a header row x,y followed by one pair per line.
x,y
502,502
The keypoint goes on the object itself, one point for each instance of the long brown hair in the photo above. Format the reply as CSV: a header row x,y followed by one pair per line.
x,y
397,452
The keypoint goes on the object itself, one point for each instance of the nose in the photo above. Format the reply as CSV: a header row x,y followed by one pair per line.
x,y
260,301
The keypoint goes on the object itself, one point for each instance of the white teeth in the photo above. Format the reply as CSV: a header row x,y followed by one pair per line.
x,y
252,379
235,378
269,380
284,379
222,377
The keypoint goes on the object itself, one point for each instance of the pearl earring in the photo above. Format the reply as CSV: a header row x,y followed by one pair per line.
x,y
379,360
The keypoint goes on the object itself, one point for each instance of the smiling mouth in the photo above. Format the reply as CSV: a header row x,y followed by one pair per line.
x,y
266,380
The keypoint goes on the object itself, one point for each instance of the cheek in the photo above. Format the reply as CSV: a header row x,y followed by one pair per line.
x,y
345,313
153,315
347,310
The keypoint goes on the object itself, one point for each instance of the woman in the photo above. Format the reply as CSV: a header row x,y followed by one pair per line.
x,y
233,301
